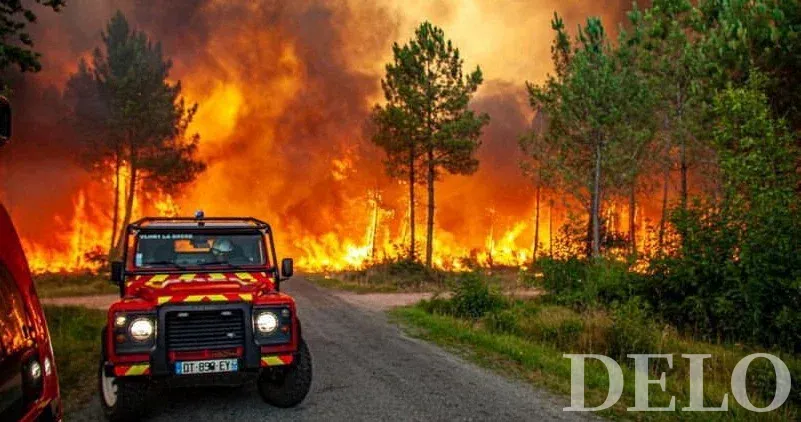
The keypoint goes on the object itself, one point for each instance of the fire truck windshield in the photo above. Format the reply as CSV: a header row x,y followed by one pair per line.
x,y
157,250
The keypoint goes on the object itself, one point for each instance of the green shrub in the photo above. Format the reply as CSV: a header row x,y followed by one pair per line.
x,y
437,305
582,284
555,325
504,321
560,276
473,298
633,330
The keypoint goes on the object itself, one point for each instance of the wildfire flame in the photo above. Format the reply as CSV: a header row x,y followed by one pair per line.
x,y
285,94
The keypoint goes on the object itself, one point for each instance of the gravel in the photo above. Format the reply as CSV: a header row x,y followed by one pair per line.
x,y
366,369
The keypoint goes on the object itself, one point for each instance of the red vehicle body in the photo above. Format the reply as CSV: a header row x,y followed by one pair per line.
x,y
24,338
196,315
28,377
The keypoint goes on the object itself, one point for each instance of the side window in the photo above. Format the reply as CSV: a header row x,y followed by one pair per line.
x,y
15,324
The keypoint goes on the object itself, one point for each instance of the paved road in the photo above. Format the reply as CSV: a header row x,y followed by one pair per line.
x,y
366,369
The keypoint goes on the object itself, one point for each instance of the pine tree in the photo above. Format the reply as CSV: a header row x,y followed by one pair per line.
x,y
141,116
589,105
427,121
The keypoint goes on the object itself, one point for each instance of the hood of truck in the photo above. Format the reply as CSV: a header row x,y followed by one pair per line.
x,y
199,287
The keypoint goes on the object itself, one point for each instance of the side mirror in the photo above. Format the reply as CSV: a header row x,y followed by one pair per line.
x,y
287,267
117,271
5,120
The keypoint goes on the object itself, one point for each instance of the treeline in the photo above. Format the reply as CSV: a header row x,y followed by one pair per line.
x,y
692,104
707,93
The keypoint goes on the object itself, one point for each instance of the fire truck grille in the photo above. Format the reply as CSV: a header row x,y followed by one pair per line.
x,y
194,330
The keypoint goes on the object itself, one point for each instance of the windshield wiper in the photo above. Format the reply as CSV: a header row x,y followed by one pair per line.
x,y
170,263
224,264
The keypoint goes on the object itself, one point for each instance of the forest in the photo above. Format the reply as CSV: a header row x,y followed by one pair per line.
x,y
706,94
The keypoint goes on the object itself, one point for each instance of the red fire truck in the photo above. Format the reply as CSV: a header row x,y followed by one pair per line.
x,y
28,381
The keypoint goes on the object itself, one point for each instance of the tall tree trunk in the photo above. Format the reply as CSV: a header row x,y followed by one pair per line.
x,y
430,228
536,246
632,217
663,219
666,185
129,201
595,207
683,152
684,188
412,181
115,215
550,227
374,230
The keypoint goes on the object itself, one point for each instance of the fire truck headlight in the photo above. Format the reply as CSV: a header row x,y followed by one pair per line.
x,y
35,370
142,329
120,320
266,322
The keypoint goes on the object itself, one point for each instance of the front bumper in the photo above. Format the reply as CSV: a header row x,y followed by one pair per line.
x,y
251,356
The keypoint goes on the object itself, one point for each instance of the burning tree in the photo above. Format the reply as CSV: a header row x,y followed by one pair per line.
x,y
426,122
590,105
132,120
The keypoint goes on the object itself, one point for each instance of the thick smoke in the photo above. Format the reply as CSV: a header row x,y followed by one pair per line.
x,y
285,90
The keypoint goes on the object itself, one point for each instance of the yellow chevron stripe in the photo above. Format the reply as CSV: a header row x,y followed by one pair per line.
x,y
245,276
201,298
272,361
159,277
138,369
187,277
164,299
217,276
247,297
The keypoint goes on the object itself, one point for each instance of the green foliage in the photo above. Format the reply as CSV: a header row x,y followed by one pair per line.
x,y
75,334
473,297
504,321
73,284
15,42
737,272
633,330
584,284
437,305
543,363
764,36
127,113
426,125
401,274
595,112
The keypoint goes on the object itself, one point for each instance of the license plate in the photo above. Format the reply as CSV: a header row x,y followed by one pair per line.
x,y
206,366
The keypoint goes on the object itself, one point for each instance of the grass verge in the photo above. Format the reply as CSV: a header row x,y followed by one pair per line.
x,y
542,364
75,333
50,285
409,277
341,282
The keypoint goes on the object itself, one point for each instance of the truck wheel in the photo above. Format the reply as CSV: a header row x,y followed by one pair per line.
x,y
286,387
121,399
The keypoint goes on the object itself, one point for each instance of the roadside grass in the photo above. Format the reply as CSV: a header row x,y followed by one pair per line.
x,y
409,277
530,345
75,333
50,285
340,281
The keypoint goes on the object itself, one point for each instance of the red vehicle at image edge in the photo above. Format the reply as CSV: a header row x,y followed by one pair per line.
x,y
200,301
28,381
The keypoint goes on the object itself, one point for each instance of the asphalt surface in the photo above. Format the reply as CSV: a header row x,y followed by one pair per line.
x,y
366,369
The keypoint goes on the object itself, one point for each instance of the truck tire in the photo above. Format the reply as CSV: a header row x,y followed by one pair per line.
x,y
287,387
122,399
